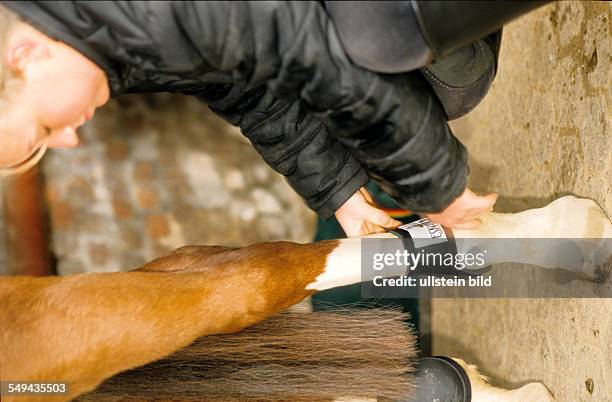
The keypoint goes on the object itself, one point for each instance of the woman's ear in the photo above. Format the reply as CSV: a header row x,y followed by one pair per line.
x,y
24,47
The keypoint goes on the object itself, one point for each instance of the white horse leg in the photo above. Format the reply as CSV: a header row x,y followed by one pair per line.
x,y
585,230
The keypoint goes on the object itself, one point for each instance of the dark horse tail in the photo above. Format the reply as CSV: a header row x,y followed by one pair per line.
x,y
294,356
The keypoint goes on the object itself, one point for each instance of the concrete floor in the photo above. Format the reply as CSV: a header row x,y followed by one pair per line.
x,y
544,130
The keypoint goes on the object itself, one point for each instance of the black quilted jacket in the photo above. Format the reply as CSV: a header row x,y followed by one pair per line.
x,y
279,72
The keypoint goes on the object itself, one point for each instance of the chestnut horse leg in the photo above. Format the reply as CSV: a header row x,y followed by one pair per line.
x,y
85,328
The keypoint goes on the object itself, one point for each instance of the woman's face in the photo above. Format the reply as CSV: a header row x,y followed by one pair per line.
x,y
60,91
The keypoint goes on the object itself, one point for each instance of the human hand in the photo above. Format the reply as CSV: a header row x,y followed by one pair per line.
x,y
359,216
464,212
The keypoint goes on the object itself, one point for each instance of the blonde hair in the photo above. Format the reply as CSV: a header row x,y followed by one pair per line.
x,y
8,81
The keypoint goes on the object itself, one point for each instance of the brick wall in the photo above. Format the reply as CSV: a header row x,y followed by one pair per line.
x,y
156,172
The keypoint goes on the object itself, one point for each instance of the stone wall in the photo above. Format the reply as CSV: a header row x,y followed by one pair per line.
x,y
544,130
156,172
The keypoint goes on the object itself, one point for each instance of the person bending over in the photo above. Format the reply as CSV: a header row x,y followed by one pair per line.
x,y
278,70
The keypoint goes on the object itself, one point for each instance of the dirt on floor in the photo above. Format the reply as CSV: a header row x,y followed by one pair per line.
x,y
545,130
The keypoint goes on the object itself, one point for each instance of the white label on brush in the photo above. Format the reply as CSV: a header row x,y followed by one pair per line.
x,y
425,232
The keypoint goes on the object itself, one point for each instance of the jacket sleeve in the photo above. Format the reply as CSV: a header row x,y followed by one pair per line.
x,y
462,79
296,144
394,126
